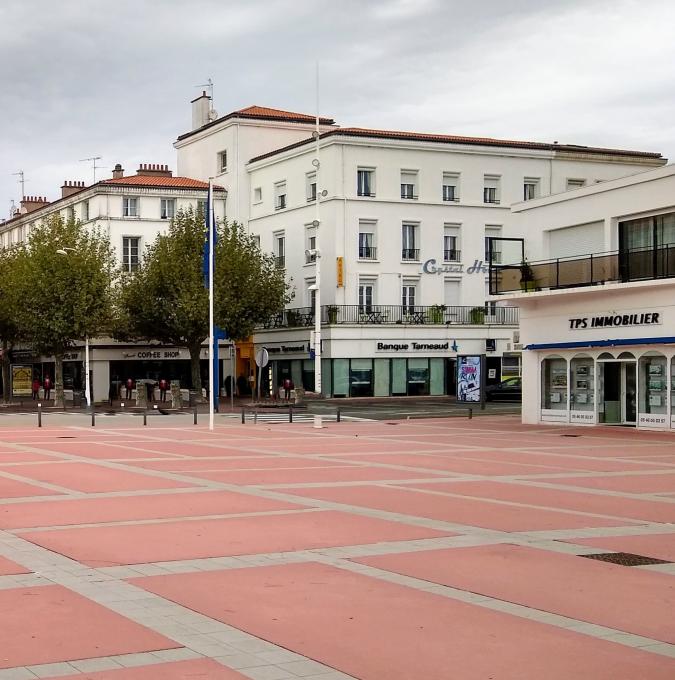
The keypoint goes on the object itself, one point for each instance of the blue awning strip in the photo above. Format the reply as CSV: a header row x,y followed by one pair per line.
x,y
617,342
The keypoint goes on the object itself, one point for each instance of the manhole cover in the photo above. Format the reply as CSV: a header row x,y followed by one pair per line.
x,y
625,559
65,437
570,435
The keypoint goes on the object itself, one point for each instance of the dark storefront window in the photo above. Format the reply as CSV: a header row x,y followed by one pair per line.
x,y
361,377
418,377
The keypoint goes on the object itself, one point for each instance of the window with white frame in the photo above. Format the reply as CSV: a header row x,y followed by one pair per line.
x,y
311,186
222,161
366,295
256,240
310,244
409,184
85,211
310,293
530,188
257,195
280,249
452,290
130,253
365,182
167,208
130,207
410,241
493,231
491,189
451,186
451,250
201,206
408,296
70,213
573,183
367,246
280,195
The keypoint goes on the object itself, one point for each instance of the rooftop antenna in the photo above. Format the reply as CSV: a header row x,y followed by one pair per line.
x,y
94,167
22,182
209,86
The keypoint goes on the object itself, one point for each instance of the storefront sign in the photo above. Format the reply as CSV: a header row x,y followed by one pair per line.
x,y
412,346
469,378
22,380
582,417
71,356
478,267
153,354
288,349
615,320
652,420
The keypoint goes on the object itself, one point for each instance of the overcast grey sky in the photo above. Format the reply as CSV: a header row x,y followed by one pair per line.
x,y
93,77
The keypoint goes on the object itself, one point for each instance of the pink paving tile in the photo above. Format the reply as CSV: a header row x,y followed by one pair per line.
x,y
452,463
653,511
662,483
186,448
568,585
92,478
254,462
308,475
122,508
201,669
372,630
194,539
51,624
599,450
457,510
7,456
7,567
11,488
660,546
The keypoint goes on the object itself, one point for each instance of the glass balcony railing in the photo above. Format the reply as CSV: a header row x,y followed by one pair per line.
x,y
621,266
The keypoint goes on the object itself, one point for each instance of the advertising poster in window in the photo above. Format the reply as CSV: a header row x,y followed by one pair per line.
x,y
469,378
22,379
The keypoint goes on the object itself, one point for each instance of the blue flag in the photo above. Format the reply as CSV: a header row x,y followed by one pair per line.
x,y
210,235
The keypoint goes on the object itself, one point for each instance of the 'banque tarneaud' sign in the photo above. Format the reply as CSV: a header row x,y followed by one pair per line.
x,y
478,267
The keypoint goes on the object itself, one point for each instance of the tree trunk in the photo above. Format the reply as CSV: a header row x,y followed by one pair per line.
x,y
59,398
6,381
195,351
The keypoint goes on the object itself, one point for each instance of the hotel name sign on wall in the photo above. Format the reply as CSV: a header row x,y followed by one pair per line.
x,y
615,320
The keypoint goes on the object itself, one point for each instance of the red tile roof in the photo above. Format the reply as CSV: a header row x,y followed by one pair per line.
x,y
459,139
155,181
263,113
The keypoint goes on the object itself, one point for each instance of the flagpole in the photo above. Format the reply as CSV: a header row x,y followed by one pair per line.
x,y
211,325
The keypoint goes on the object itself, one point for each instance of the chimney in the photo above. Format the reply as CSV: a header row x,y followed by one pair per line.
x,y
118,171
69,188
200,110
153,170
31,203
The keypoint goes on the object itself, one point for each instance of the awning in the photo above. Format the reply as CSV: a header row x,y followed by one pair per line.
x,y
616,342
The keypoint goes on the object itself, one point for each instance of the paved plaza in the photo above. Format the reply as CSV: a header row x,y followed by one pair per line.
x,y
430,549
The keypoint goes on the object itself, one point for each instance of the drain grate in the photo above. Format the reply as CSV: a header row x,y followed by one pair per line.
x,y
625,559
570,435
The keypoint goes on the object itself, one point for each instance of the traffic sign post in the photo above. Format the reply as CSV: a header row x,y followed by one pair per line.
x,y
262,358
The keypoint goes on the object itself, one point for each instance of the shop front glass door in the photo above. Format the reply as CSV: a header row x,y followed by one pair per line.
x,y
618,392
630,392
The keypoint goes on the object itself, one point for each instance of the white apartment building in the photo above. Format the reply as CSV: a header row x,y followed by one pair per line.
x,y
404,221
596,292
132,210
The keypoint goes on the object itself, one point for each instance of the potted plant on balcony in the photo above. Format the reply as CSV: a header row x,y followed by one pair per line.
x,y
332,311
477,315
436,313
527,282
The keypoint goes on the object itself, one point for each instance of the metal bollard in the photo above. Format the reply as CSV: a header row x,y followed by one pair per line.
x,y
338,416
243,415
93,415
470,413
255,416
39,415
145,418
290,414
194,416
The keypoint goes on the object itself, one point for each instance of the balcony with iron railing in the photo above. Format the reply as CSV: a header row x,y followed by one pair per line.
x,y
452,255
404,315
620,266
367,252
410,254
280,262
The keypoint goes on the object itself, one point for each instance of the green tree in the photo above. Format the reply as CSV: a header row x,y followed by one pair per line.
x,y
10,331
64,296
165,299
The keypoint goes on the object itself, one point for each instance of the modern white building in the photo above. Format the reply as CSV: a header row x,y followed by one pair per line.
x,y
132,210
404,222
596,292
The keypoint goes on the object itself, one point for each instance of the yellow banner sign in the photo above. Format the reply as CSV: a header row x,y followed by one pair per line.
x,y
22,381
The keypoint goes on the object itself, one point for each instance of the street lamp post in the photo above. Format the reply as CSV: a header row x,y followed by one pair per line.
x,y
87,381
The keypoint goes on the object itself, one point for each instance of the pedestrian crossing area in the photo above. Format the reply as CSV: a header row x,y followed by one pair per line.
x,y
283,417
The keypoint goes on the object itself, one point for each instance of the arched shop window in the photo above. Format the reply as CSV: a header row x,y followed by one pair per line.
x,y
653,383
554,383
582,383
625,356
606,356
